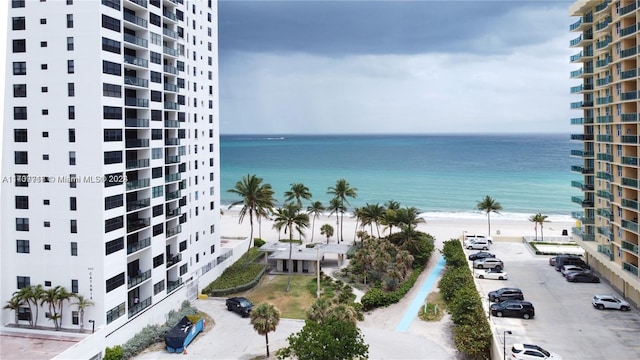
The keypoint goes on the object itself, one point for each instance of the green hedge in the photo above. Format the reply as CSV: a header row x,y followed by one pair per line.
x,y
238,275
376,297
240,288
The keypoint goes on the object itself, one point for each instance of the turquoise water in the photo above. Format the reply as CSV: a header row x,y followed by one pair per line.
x,y
443,175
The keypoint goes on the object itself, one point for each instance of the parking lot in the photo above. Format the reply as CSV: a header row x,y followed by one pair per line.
x,y
565,320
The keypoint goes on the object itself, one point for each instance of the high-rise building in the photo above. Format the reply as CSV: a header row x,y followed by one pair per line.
x,y
110,166
607,53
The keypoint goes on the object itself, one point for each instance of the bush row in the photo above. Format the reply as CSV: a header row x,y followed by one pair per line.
x,y
376,297
471,332
238,274
249,270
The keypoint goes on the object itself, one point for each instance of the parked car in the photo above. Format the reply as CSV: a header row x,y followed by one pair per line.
x,y
602,302
513,308
240,305
478,244
469,237
495,274
562,260
506,294
532,352
481,255
571,268
552,260
582,276
488,263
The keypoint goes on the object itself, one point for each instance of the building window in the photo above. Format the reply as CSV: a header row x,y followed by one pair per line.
x,y
19,46
155,57
155,95
115,282
213,249
44,66
113,224
157,210
73,226
18,23
72,135
71,112
23,281
20,135
156,153
156,191
156,39
156,77
156,172
44,89
69,21
113,246
110,45
22,246
47,224
45,112
19,113
112,68
43,44
45,156
74,314
183,269
111,112
21,180
154,19
19,68
22,224
112,157
158,229
20,90
73,203
22,202
183,246
112,202
114,179
158,260
74,249
47,247
73,181
158,287
70,43
21,157
111,90
115,313
112,135
110,23
17,4
70,67
47,283
72,157
71,89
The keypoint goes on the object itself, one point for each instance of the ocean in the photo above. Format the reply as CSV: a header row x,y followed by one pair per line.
x,y
441,175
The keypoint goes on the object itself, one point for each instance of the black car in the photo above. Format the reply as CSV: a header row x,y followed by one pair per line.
x,y
513,308
481,255
584,276
506,294
240,305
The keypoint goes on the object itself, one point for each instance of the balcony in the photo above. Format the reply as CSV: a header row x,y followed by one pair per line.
x,y
132,60
627,9
630,268
138,279
630,182
577,121
138,102
629,95
629,74
603,24
137,184
629,139
172,142
628,30
142,3
607,119
174,231
575,25
170,33
172,195
138,204
168,14
172,124
132,39
137,164
604,81
172,213
576,89
630,160
604,43
576,73
630,247
168,105
630,204
604,176
172,177
171,69
602,5
170,51
606,249
137,123
605,157
137,224
135,19
172,285
604,100
629,117
134,81
630,225
171,87
628,52
604,195
172,159
603,62
173,260
140,306
605,138
576,57
138,245
136,143
575,41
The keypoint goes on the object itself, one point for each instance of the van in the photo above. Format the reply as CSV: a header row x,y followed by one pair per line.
x,y
576,260
478,244
469,237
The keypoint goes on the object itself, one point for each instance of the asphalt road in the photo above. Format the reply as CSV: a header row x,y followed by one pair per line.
x,y
565,322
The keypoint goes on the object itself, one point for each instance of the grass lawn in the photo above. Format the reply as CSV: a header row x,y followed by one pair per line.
x,y
293,304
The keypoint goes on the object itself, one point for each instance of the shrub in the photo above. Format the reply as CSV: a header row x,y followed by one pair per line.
x,y
238,274
474,341
453,280
257,242
113,353
376,297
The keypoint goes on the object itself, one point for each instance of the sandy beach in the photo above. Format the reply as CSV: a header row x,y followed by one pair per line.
x,y
442,228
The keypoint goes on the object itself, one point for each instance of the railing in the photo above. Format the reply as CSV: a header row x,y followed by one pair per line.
x,y
172,213
627,9
172,159
137,224
630,246
604,81
604,194
170,51
171,69
172,142
576,153
605,138
603,24
131,101
604,43
136,164
628,74
576,57
630,182
603,62
576,73
174,260
575,41
132,80
630,160
575,25
138,245
138,204
628,52
628,30
630,268
171,105
604,176
576,89
604,100
136,122
602,5
629,95
606,249
577,121
136,143
171,87
140,306
132,39
605,157
604,119
172,177
629,139
630,225
174,231
130,59
142,3
135,280
135,19
169,14
632,204
171,123
172,195
170,33
172,285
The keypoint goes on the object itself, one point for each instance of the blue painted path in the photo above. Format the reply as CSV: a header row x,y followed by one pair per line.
x,y
421,296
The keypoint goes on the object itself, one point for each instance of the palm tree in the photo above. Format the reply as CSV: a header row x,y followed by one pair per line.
x,y
342,190
408,216
326,230
389,216
32,295
315,210
374,214
539,219
533,219
82,304
264,318
14,304
290,217
257,199
489,205
298,191
55,298
335,207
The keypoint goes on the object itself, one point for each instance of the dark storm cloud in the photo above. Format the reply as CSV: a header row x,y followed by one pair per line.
x,y
338,28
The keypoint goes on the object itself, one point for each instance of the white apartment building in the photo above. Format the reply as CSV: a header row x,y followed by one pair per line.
x,y
110,162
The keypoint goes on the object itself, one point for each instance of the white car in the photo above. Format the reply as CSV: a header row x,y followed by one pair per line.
x,y
470,237
602,302
529,351
478,244
492,274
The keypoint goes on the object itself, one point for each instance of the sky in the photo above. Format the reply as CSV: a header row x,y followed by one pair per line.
x,y
424,66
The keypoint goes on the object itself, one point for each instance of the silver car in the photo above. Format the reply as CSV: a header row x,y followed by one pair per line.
x,y
488,263
602,302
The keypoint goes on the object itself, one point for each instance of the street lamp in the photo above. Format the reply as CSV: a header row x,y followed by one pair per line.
x,y
504,342
93,325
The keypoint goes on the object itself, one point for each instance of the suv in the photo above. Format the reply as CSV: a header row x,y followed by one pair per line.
x,y
513,308
488,263
240,305
529,351
570,260
469,237
478,244
506,294
602,302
